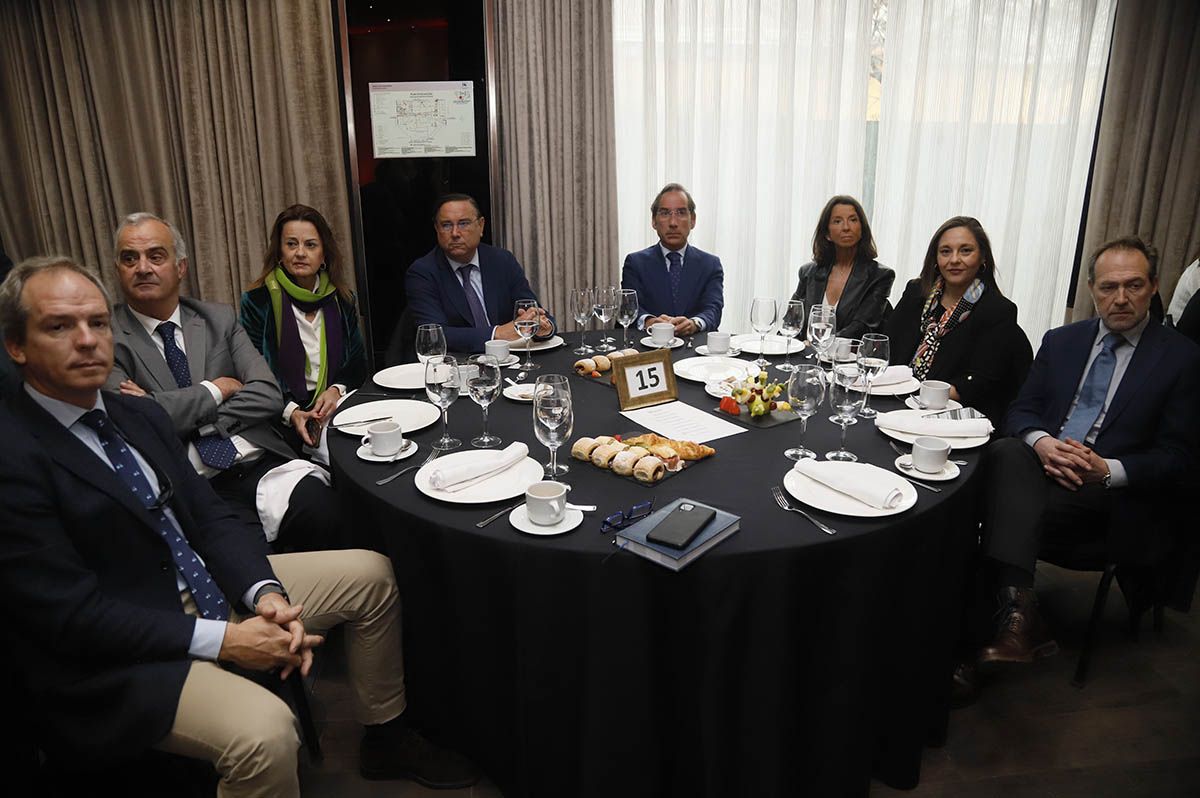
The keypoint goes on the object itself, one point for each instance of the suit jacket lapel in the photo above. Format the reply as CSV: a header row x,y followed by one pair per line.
x,y
145,351
491,292
195,341
1145,357
453,289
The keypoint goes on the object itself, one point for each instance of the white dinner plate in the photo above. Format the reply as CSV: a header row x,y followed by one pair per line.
x,y
948,472
508,484
732,351
407,450
522,392
536,346
775,344
405,377
718,390
713,369
894,389
955,443
911,402
818,495
410,414
648,342
519,518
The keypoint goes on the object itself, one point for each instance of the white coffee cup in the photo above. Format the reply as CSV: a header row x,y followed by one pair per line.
x,y
497,348
929,455
546,502
935,394
718,342
384,438
662,333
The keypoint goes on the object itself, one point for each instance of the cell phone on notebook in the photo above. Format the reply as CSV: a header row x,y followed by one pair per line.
x,y
680,526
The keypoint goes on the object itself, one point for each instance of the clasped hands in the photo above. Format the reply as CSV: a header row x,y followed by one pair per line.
x,y
683,325
508,332
273,638
1069,462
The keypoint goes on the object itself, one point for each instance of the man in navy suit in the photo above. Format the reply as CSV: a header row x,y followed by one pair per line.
x,y
675,283
470,288
1103,428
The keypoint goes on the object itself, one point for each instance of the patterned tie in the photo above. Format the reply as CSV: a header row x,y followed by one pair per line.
x,y
215,451
477,311
675,272
209,600
1094,391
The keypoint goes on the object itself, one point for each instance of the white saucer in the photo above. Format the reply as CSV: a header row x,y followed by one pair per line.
x,y
508,361
951,405
519,518
517,392
948,472
408,450
649,342
732,351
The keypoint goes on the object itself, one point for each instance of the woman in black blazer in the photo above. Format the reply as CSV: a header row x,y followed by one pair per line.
x,y
954,325
844,272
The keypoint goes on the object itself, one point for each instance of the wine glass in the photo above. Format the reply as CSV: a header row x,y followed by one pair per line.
x,y
762,318
553,417
821,320
431,342
582,307
606,301
846,401
873,357
483,386
805,392
790,323
442,382
627,313
842,352
526,329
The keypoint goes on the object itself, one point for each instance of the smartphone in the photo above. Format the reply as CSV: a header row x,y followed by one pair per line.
x,y
313,428
680,526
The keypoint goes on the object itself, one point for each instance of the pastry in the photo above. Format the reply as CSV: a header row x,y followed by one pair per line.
x,y
624,462
628,352
585,366
602,439
667,454
602,362
688,450
603,455
649,469
582,449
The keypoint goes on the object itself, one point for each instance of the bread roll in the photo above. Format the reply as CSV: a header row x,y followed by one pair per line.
x,y
603,439
585,366
602,456
602,363
624,462
582,449
649,469
628,352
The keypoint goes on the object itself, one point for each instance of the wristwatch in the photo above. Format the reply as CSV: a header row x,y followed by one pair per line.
x,y
1107,481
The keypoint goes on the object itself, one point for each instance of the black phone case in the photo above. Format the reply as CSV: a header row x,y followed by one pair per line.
x,y
681,526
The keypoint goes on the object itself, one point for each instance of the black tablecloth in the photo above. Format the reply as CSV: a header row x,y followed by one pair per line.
x,y
783,660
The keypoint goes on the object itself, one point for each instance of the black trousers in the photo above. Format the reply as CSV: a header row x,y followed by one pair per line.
x,y
1024,510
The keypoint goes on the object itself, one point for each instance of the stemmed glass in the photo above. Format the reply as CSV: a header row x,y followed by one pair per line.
x,y
846,401
790,323
606,301
431,342
873,356
526,328
843,352
627,313
553,417
442,382
763,311
582,307
821,319
483,386
806,391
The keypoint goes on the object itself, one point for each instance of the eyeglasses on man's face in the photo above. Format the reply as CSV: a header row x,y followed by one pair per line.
x,y
667,213
462,225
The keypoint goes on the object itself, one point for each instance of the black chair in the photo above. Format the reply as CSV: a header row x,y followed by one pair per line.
x,y
402,346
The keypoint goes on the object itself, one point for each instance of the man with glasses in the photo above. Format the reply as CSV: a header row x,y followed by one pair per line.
x,y
468,287
675,283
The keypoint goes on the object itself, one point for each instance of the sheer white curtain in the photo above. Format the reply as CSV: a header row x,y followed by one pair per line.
x,y
759,108
989,110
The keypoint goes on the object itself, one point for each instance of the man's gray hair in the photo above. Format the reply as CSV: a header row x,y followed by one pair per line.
x,y
134,219
14,316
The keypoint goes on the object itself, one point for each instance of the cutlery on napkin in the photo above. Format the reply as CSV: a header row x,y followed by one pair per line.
x,y
914,422
867,488
454,478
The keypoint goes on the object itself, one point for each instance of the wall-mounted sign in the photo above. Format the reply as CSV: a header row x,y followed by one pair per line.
x,y
423,120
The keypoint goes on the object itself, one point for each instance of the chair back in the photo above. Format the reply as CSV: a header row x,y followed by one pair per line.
x,y
402,346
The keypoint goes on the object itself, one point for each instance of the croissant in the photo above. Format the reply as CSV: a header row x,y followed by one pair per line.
x,y
688,450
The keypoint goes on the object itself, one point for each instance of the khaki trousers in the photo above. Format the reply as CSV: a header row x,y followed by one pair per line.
x,y
246,731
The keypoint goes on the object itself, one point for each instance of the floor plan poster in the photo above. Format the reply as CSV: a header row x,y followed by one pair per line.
x,y
423,120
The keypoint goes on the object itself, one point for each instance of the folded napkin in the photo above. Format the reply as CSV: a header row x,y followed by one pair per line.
x,y
457,477
916,422
878,490
889,376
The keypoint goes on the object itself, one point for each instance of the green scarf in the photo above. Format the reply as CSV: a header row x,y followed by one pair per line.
x,y
294,362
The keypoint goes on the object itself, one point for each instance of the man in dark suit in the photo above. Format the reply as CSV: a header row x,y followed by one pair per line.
x,y
675,283
1102,429
470,288
124,580
223,398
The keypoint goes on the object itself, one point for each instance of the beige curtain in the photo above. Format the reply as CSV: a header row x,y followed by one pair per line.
x,y
1147,173
557,175
215,115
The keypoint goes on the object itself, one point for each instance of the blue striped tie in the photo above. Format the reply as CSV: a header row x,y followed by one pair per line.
x,y
215,451
1094,391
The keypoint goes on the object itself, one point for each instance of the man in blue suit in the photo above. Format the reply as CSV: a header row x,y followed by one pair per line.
x,y
470,288
1103,428
675,283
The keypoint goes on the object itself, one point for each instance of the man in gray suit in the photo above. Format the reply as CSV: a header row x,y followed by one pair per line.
x,y
195,360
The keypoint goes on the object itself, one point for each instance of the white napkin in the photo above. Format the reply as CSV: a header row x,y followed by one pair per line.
x,y
457,477
855,482
275,488
889,376
916,422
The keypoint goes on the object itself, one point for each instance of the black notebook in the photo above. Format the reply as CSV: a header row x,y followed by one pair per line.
x,y
633,538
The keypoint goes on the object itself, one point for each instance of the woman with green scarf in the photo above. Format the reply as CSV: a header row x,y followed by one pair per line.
x,y
300,315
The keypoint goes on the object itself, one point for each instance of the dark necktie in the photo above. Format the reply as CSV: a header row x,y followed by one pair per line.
x,y
209,600
477,311
675,272
215,451
1093,391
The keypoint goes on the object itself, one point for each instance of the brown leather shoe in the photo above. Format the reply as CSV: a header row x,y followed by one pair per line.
x,y
1022,635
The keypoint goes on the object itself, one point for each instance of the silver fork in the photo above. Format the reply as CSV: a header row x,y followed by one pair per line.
x,y
433,453
783,503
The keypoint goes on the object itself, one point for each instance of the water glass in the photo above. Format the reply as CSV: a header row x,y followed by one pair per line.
x,y
805,392
431,342
526,329
582,307
627,313
846,401
873,357
483,386
553,418
442,382
821,321
763,312
790,323
607,299
844,352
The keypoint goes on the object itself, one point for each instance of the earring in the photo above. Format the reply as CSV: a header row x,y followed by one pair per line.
x,y
322,267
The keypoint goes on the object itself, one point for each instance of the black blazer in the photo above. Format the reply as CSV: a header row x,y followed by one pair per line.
x,y
863,306
87,589
986,357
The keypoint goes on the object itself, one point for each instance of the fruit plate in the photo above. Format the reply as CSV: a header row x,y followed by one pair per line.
x,y
772,419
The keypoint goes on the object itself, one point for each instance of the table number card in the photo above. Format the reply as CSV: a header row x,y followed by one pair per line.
x,y
645,379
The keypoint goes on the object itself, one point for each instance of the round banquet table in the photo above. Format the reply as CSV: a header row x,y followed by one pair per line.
x,y
781,662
